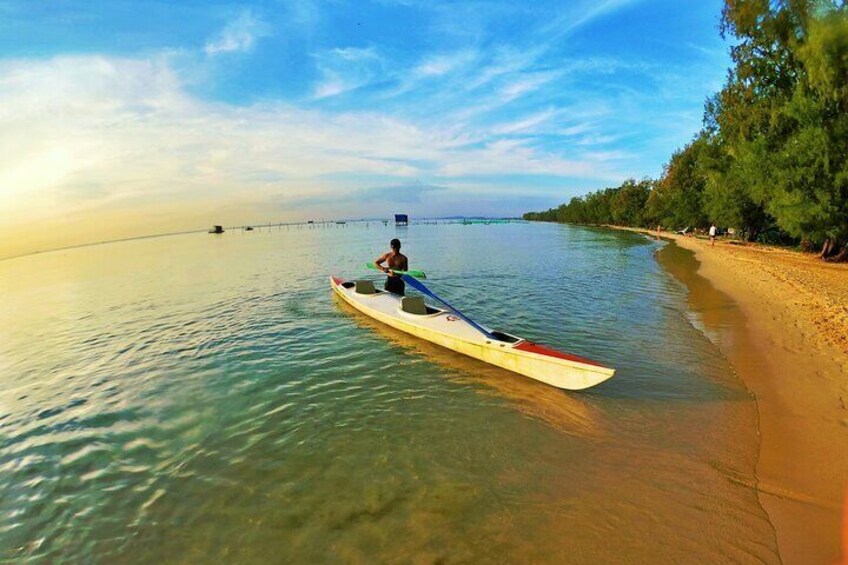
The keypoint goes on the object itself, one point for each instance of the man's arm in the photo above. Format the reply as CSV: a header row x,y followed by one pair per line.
x,y
380,260
404,265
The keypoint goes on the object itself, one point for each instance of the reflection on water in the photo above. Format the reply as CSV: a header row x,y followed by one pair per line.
x,y
568,413
200,398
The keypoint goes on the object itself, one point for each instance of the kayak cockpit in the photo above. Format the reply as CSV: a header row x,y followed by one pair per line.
x,y
501,336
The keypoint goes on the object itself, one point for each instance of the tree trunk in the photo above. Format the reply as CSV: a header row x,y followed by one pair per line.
x,y
834,252
841,257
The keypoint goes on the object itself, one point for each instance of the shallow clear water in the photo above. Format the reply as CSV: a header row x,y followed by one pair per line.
x,y
203,397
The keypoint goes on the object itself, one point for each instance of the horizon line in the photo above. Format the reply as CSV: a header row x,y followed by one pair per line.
x,y
237,227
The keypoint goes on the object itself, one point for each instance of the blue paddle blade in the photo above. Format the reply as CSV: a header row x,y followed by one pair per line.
x,y
419,286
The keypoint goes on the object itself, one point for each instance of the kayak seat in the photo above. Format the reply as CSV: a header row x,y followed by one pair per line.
x,y
414,305
365,287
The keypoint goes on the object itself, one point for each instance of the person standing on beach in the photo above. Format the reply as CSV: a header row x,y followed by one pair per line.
x,y
713,231
396,261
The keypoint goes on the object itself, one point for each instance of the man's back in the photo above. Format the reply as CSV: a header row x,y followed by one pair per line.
x,y
398,261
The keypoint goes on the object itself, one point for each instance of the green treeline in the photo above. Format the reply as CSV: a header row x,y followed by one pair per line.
x,y
772,157
623,206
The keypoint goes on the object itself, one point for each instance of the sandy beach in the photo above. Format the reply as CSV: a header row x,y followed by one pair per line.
x,y
790,347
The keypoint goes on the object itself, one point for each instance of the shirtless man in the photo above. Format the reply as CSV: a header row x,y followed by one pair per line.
x,y
395,260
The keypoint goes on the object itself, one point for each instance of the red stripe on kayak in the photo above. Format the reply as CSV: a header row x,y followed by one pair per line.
x,y
337,280
531,347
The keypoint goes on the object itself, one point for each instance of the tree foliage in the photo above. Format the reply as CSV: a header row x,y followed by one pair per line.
x,y
677,199
782,114
773,153
622,205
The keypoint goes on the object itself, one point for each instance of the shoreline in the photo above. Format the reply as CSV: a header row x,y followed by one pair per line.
x,y
790,348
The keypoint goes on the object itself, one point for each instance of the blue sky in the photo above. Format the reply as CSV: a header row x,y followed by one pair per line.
x,y
185,113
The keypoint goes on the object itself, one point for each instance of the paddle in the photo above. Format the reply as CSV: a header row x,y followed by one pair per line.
x,y
416,274
419,286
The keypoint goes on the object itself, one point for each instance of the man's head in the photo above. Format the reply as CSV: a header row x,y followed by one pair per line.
x,y
395,243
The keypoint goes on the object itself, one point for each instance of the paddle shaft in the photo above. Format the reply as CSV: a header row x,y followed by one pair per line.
x,y
416,274
419,286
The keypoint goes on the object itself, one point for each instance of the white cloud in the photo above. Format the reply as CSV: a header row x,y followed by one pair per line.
x,y
581,14
577,129
600,9
526,83
505,61
346,69
355,54
106,134
239,35
444,63
525,124
515,157
433,71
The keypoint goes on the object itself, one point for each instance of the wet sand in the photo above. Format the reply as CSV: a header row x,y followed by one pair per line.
x,y
781,319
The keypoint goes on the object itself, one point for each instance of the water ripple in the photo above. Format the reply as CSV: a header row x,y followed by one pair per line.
x,y
205,399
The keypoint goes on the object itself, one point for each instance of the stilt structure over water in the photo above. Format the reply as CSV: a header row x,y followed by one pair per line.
x,y
401,220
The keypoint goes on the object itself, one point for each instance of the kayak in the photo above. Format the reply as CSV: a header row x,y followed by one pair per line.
x,y
447,329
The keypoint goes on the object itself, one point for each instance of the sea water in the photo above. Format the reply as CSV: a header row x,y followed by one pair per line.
x,y
205,398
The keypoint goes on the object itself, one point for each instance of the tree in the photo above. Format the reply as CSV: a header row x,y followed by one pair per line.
x,y
773,153
627,205
623,205
781,118
726,198
676,200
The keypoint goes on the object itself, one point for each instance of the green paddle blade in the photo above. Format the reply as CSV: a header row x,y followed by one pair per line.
x,y
416,274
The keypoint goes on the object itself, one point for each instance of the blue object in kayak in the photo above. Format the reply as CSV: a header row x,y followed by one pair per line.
x,y
419,286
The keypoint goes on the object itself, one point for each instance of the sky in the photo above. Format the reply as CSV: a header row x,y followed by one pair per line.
x,y
124,118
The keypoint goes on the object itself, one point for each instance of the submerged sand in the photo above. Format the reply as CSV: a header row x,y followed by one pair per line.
x,y
790,347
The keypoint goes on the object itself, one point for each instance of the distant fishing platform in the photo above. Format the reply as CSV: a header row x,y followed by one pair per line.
x,y
330,224
279,226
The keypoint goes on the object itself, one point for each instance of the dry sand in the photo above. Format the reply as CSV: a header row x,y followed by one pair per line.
x,y
793,356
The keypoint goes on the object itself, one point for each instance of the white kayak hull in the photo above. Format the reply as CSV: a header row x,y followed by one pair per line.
x,y
441,327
